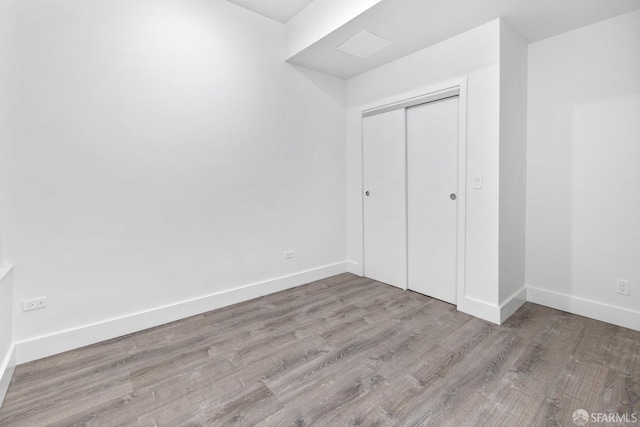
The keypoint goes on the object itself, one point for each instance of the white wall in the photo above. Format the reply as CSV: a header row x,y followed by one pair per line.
x,y
9,60
474,54
513,162
9,56
164,153
583,198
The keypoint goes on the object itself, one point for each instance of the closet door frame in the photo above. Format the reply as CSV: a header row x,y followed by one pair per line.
x,y
433,93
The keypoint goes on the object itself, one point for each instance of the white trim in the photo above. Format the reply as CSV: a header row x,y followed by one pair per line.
x,y
462,192
585,307
58,342
512,304
362,192
6,372
412,102
490,312
415,93
8,360
481,309
354,268
408,104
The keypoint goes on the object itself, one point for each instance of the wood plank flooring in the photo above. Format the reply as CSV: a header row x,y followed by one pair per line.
x,y
344,351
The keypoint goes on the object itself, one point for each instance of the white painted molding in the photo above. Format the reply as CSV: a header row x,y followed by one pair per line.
x,y
412,102
491,312
481,309
47,345
6,371
354,268
512,304
8,361
585,307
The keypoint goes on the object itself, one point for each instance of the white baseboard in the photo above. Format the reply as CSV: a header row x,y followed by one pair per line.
x,y
490,312
481,309
512,304
585,307
6,371
47,345
8,360
354,268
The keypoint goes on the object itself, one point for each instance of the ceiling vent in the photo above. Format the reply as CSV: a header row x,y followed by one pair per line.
x,y
364,45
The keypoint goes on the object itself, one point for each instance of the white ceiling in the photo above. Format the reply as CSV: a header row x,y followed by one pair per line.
x,y
411,25
279,10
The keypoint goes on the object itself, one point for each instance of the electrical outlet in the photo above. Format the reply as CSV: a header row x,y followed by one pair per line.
x,y
34,304
288,254
623,287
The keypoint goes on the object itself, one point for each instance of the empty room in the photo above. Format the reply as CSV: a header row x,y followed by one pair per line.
x,y
315,212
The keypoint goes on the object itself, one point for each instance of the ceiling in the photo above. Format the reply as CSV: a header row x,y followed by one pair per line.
x,y
278,10
412,25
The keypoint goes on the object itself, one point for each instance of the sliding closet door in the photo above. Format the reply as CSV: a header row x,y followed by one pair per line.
x,y
385,230
432,212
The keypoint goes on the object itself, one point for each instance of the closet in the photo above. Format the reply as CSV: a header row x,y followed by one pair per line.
x,y
411,159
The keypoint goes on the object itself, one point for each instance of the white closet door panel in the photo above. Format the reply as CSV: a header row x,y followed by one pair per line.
x,y
385,232
432,177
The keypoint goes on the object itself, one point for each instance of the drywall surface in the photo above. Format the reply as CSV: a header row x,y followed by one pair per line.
x,y
474,54
583,198
165,152
513,160
9,61
9,66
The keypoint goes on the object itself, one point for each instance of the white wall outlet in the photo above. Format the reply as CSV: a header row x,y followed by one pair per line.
x,y
34,304
623,287
288,254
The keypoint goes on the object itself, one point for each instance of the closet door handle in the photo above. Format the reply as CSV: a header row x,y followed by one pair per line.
x,y
453,196
366,193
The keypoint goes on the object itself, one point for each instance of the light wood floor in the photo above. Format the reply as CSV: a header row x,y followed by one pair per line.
x,y
344,351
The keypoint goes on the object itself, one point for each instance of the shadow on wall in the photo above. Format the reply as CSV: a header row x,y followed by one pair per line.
x,y
333,87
